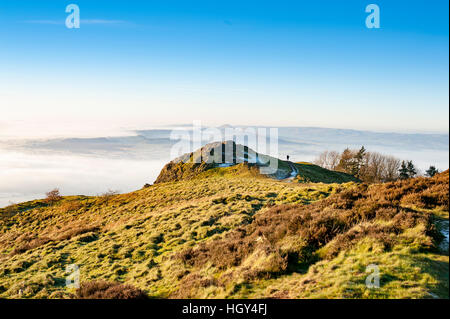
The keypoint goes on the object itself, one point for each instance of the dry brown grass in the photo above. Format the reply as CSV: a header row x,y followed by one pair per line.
x,y
241,231
287,236
30,241
108,290
70,206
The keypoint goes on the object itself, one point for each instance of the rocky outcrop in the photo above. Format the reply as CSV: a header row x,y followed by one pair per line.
x,y
212,155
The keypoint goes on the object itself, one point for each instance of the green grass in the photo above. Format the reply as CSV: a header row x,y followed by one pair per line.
x,y
403,274
135,238
137,232
311,173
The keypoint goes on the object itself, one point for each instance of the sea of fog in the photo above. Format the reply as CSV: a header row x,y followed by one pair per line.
x,y
93,165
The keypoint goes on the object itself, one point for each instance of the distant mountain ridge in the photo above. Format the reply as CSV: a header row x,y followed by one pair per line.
x,y
302,142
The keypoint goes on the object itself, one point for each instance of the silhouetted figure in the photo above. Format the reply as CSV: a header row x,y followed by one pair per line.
x,y
287,157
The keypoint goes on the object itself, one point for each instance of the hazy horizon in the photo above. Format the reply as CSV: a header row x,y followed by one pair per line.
x,y
18,129
125,162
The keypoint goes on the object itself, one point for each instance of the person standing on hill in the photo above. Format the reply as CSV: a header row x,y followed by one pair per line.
x,y
287,157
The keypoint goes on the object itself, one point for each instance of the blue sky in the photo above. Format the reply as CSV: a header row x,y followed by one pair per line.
x,y
280,63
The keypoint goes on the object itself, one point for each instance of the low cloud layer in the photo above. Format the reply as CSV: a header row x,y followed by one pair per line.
x,y
89,166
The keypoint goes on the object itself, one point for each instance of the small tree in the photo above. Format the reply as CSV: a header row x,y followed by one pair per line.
x,y
370,167
431,171
403,171
392,166
53,196
358,164
411,169
346,162
108,195
328,159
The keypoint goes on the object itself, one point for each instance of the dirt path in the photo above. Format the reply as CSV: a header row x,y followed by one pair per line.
x,y
294,173
442,226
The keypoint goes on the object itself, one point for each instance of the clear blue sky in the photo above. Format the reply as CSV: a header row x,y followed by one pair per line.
x,y
306,63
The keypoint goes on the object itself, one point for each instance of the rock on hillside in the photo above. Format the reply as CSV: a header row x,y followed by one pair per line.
x,y
213,155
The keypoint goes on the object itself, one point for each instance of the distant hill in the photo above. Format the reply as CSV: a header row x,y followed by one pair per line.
x,y
243,160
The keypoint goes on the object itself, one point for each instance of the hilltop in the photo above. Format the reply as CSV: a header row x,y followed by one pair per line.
x,y
230,232
228,158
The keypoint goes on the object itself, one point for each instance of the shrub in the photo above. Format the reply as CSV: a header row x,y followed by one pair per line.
x,y
190,283
29,241
75,230
53,196
34,243
291,235
71,206
8,211
108,290
107,196
110,193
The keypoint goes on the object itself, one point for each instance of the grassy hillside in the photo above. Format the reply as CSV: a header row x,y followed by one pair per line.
x,y
229,234
311,173
202,163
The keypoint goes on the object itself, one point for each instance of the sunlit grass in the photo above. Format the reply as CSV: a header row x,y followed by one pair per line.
x,y
135,238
